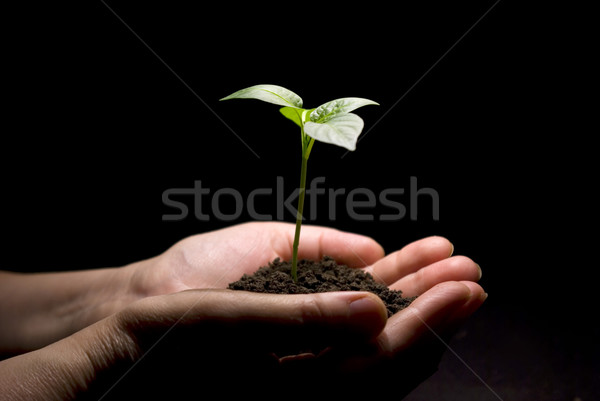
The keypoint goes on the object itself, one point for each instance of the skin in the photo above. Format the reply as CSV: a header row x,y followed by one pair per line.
x,y
72,334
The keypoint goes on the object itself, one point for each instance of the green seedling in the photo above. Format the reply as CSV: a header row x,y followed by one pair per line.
x,y
331,122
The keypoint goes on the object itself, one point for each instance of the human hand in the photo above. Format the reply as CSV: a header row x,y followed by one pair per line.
x,y
196,341
214,259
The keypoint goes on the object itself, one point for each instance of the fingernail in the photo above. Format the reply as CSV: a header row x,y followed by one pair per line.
x,y
369,311
480,272
363,305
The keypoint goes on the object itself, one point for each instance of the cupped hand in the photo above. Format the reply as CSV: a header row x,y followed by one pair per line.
x,y
214,259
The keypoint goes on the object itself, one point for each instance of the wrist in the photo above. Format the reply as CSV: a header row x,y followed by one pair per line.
x,y
39,309
85,363
110,291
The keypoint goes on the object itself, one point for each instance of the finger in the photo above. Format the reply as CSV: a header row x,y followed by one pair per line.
x,y
435,341
347,248
456,268
410,259
426,316
478,297
263,320
409,330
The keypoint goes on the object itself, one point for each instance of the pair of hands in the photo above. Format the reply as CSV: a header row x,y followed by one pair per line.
x,y
351,329
169,323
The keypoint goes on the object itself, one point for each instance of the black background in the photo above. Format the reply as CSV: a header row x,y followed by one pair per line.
x,y
107,105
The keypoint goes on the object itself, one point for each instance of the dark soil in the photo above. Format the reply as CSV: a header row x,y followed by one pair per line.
x,y
323,276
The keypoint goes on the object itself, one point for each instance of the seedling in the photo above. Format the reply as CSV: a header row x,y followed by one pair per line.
x,y
331,122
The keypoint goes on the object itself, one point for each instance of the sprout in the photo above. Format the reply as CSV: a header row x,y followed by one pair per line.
x,y
331,122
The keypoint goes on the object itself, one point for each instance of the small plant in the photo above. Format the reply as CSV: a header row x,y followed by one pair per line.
x,y
331,122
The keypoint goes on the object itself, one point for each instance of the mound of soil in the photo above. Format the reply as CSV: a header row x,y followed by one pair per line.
x,y
322,276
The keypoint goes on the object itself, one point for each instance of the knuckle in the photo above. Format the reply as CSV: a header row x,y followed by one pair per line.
x,y
312,308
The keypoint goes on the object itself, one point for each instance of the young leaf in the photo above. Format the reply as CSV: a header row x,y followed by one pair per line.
x,y
336,107
342,130
293,114
268,93
296,114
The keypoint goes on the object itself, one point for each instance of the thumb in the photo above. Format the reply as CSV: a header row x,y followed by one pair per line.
x,y
264,321
225,339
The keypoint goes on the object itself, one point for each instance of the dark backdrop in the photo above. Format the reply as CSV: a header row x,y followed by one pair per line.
x,y
112,104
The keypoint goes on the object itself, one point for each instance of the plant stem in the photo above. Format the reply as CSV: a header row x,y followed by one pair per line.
x,y
299,217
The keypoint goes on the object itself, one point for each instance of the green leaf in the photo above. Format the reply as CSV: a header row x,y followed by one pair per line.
x,y
296,115
293,114
268,93
342,130
329,110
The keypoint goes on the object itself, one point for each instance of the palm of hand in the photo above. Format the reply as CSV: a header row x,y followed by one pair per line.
x,y
214,259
